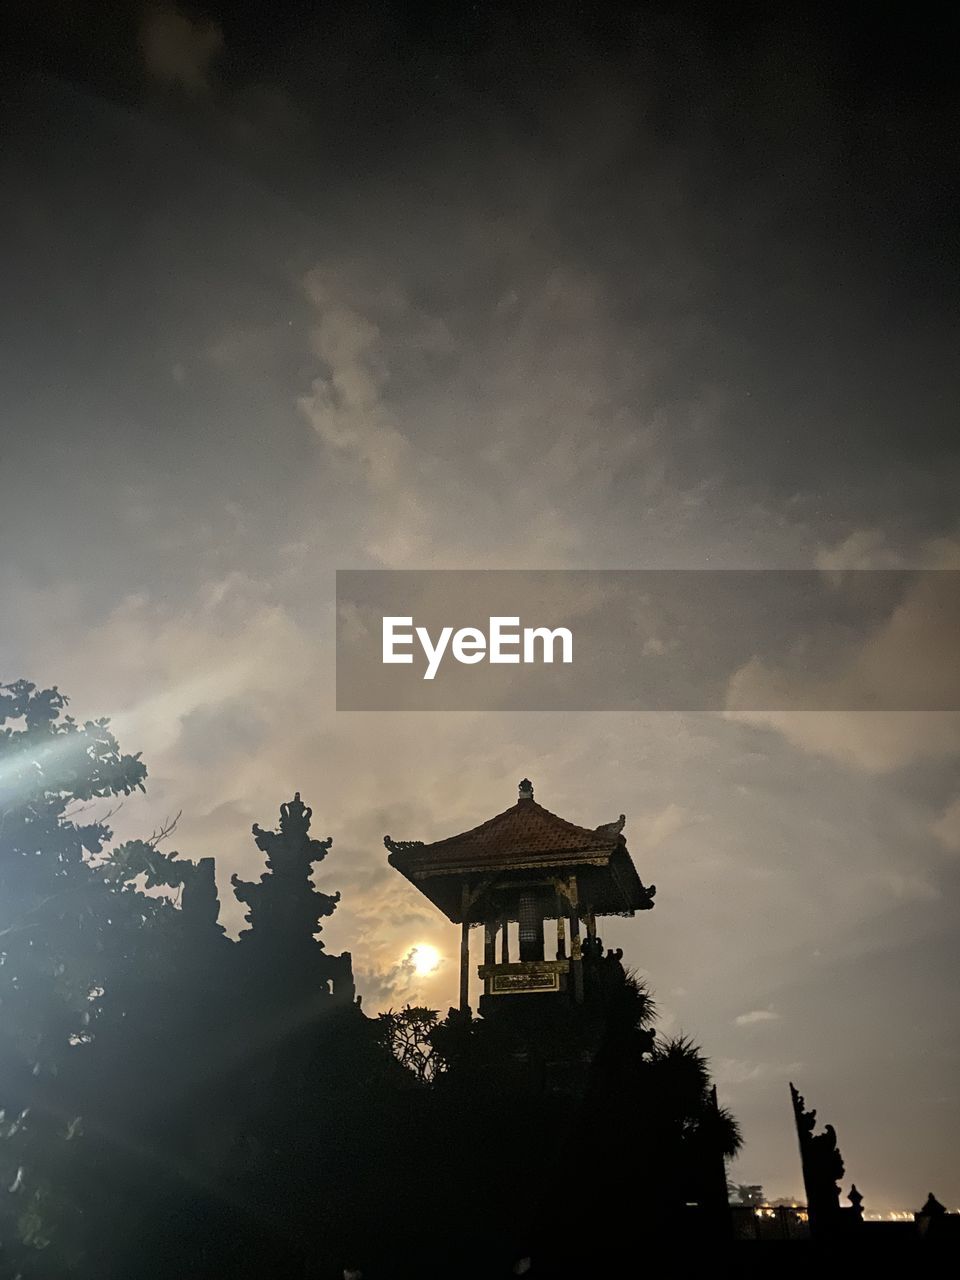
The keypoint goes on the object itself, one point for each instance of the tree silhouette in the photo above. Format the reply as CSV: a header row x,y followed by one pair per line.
x,y
178,1103
409,1033
531,1086
69,931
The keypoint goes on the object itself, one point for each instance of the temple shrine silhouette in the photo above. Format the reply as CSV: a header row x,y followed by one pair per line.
x,y
537,884
528,867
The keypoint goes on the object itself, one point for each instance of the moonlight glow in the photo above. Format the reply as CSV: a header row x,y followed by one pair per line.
x,y
425,959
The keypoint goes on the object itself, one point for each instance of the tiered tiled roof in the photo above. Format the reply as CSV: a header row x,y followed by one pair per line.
x,y
526,837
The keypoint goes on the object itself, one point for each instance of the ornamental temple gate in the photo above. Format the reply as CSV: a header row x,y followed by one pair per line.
x,y
529,867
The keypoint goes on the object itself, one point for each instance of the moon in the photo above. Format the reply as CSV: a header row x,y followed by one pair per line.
x,y
426,959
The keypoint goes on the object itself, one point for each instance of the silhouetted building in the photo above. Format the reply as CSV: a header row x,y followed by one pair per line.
x,y
528,866
822,1170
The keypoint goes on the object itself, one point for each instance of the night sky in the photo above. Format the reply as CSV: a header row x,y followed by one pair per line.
x,y
295,288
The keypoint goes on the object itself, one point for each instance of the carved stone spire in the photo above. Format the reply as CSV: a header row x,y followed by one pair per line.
x,y
856,1201
822,1167
285,907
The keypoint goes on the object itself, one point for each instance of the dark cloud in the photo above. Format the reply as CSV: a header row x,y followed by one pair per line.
x,y
178,49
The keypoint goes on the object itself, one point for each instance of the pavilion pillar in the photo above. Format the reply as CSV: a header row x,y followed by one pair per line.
x,y
576,960
489,943
592,925
464,967
530,911
505,940
465,951
561,938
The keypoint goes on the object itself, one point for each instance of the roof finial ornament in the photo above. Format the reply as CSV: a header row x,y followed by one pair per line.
x,y
526,789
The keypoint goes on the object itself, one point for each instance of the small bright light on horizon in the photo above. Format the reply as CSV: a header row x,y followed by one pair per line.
x,y
426,959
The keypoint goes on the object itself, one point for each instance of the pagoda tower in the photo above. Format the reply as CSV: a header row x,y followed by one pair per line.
x,y
529,867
